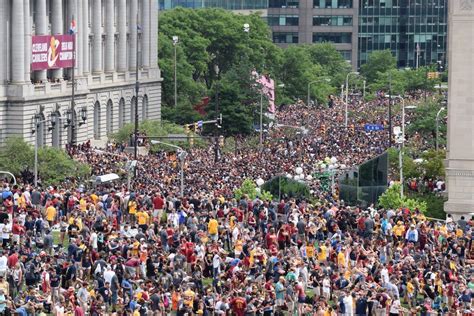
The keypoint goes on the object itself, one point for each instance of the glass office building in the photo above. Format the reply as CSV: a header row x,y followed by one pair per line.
x,y
411,29
224,4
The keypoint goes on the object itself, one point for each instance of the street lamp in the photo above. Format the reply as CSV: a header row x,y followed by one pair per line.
x,y
401,140
356,73
309,86
437,125
37,119
181,155
175,43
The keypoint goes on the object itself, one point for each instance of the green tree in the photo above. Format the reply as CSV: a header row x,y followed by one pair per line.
x,y
423,122
22,152
297,70
391,79
379,61
433,163
391,199
238,97
54,165
210,40
331,61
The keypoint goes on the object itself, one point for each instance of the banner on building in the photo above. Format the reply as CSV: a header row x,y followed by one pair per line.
x,y
52,52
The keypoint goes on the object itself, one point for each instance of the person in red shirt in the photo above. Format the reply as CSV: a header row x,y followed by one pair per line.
x,y
239,214
158,204
238,305
17,231
12,260
271,238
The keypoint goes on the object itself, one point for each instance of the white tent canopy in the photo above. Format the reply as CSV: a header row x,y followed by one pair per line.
x,y
107,178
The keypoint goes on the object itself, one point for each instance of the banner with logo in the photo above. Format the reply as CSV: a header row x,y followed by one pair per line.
x,y
52,52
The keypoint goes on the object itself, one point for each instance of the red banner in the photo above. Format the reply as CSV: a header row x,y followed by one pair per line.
x,y
52,52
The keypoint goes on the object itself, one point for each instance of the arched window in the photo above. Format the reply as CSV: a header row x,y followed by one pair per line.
x,y
132,110
40,130
56,132
97,120
109,116
145,107
121,113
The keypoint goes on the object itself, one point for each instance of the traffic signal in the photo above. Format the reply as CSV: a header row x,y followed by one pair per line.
x,y
186,129
221,141
196,127
440,66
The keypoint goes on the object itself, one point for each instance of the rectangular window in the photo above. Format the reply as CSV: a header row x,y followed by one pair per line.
x,y
284,4
338,38
332,20
284,20
285,37
332,4
346,54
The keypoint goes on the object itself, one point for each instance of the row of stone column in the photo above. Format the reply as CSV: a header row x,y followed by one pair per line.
x,y
79,9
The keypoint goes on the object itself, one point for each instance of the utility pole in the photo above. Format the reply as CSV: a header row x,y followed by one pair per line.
x,y
72,141
390,110
137,88
216,144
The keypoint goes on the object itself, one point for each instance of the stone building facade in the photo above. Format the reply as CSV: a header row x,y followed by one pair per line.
x,y
108,33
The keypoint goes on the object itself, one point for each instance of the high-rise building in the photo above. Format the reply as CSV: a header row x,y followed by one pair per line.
x,y
414,30
316,21
224,4
409,28
104,40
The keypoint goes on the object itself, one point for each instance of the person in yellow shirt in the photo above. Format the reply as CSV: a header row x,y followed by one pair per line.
x,y
132,209
310,251
213,228
399,230
238,247
410,292
94,198
142,218
83,204
322,255
188,298
341,259
50,215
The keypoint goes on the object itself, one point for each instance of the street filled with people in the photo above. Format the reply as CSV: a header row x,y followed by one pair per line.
x,y
146,249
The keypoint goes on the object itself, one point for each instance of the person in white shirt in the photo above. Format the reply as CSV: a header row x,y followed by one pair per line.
x,y
216,264
395,307
384,275
108,274
3,264
94,240
348,305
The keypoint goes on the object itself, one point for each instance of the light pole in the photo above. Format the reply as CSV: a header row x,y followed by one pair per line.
x,y
37,122
309,86
437,126
401,140
137,89
175,43
181,155
347,94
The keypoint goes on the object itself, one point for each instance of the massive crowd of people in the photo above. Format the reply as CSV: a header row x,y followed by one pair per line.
x,y
75,249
